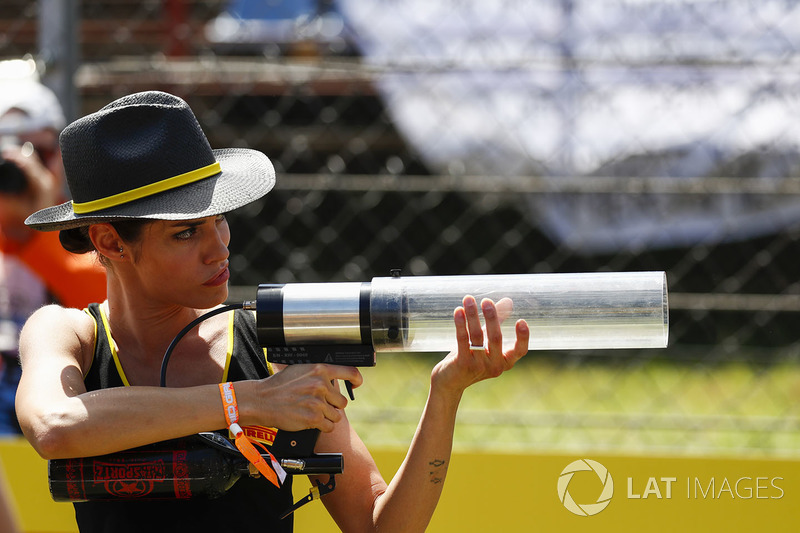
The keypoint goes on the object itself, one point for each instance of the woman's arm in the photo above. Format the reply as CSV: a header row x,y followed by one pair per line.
x,y
61,419
362,500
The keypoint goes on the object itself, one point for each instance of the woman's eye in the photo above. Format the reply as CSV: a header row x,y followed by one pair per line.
x,y
185,234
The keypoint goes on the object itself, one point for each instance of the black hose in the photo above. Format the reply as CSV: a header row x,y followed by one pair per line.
x,y
184,331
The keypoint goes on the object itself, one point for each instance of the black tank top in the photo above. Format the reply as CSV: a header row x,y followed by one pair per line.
x,y
252,504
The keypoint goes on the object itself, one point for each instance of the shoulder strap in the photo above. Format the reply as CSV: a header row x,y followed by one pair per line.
x,y
248,359
105,370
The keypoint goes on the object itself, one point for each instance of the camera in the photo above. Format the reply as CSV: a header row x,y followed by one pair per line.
x,y
12,179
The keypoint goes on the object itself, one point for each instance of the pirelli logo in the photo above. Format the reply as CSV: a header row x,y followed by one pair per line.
x,y
261,434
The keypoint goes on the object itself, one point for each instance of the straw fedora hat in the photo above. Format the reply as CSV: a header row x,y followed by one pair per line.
x,y
145,156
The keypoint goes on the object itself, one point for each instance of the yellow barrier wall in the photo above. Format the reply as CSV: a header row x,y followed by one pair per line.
x,y
510,492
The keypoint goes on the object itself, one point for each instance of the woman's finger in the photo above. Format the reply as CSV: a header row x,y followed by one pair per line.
x,y
493,332
473,321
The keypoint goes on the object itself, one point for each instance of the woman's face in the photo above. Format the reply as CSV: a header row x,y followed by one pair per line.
x,y
185,262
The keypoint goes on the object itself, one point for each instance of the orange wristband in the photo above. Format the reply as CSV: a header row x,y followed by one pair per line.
x,y
229,403
272,470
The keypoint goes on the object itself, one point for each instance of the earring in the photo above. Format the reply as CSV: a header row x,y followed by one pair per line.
x,y
121,255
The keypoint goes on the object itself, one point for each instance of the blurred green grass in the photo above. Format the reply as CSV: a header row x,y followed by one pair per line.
x,y
559,402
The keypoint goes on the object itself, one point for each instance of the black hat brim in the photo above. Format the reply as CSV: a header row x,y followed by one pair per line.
x,y
246,176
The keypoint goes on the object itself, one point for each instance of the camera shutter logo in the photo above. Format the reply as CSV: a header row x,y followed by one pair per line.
x,y
585,509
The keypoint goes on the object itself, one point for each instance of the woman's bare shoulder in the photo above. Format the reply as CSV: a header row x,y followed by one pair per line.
x,y
58,326
54,315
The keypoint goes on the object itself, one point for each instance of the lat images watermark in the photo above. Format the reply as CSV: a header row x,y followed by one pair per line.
x,y
698,488
585,509
707,488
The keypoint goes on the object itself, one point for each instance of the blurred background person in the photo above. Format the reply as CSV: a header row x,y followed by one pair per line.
x,y
34,268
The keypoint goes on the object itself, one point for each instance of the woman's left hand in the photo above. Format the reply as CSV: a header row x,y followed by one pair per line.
x,y
480,353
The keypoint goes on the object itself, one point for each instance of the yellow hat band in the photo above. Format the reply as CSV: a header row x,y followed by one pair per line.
x,y
83,208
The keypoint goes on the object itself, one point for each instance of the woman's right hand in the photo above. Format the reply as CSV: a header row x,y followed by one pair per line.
x,y
302,397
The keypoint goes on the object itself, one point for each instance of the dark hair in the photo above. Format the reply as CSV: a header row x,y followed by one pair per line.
x,y
77,241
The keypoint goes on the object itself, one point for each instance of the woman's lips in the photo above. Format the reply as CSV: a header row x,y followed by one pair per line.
x,y
219,279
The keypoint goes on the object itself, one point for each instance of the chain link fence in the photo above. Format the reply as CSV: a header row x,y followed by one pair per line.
x,y
508,137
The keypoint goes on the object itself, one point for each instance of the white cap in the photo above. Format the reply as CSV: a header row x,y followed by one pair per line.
x,y
21,89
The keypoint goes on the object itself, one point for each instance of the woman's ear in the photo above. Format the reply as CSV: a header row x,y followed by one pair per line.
x,y
107,241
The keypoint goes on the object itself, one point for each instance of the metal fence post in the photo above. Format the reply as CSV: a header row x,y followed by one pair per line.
x,y
59,50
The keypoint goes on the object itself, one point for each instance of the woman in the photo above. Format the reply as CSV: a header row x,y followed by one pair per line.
x,y
148,196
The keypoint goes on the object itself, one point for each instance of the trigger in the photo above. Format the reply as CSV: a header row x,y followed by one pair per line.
x,y
349,387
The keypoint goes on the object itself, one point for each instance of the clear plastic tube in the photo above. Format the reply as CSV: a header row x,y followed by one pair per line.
x,y
564,311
